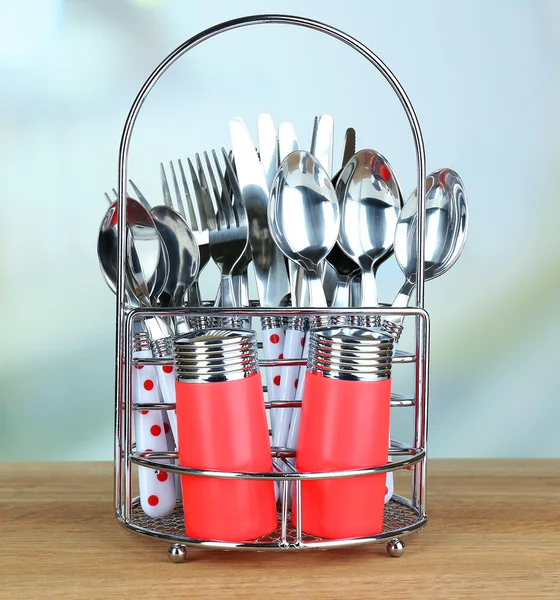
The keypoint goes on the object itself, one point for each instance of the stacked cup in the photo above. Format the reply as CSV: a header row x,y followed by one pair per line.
x,y
345,425
222,426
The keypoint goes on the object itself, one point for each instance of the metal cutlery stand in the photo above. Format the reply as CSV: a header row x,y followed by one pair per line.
x,y
402,516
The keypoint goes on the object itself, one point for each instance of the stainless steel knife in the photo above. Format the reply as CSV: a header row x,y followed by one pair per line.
x,y
268,147
273,286
322,143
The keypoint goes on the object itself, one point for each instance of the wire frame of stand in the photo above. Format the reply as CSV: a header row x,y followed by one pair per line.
x,y
402,516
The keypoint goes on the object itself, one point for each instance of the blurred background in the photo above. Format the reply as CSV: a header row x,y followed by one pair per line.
x,y
483,76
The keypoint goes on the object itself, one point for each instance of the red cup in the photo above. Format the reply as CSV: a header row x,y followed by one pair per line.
x,y
344,425
222,426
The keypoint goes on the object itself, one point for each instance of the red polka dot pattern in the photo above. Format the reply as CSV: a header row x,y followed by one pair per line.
x,y
276,380
166,427
281,356
139,366
155,430
302,342
144,412
162,476
153,500
167,369
296,382
274,338
148,385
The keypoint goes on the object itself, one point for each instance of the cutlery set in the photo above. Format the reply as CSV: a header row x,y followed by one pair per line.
x,y
305,460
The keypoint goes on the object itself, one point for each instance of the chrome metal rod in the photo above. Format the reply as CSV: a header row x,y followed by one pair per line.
x,y
421,410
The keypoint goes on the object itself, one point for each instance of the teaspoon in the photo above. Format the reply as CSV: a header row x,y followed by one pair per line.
x,y
446,232
370,201
303,216
182,252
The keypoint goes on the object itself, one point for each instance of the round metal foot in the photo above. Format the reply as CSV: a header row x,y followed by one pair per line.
x,y
395,548
177,553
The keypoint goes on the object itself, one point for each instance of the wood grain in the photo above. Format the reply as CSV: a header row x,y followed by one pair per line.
x,y
494,532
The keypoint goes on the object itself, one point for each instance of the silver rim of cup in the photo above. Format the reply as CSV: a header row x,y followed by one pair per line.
x,y
351,353
214,355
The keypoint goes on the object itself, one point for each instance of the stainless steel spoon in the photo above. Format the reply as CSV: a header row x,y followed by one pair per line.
x,y
107,244
182,252
303,216
163,266
446,232
143,249
370,201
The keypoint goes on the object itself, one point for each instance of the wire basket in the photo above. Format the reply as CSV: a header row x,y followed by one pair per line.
x,y
403,516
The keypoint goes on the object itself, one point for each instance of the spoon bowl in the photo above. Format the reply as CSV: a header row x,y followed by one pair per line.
x,y
143,254
446,230
182,253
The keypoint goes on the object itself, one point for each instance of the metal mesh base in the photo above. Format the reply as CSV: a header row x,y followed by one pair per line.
x,y
399,520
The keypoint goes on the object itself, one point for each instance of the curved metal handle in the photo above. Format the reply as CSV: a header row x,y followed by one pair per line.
x,y
288,20
123,342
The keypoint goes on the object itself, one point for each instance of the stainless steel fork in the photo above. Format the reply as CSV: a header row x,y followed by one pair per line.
x,y
229,241
235,212
200,220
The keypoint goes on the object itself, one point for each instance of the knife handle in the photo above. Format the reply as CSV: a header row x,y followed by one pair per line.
x,y
293,348
292,440
166,381
389,485
173,447
273,347
157,491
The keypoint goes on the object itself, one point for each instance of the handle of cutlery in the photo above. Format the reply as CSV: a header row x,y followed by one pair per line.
x,y
157,491
294,343
389,486
173,447
292,440
273,347
166,379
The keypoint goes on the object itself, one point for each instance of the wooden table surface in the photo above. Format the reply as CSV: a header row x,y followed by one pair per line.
x,y
494,532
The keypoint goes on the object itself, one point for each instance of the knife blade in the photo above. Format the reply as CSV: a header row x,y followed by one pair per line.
x,y
348,153
349,145
323,142
268,147
271,276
